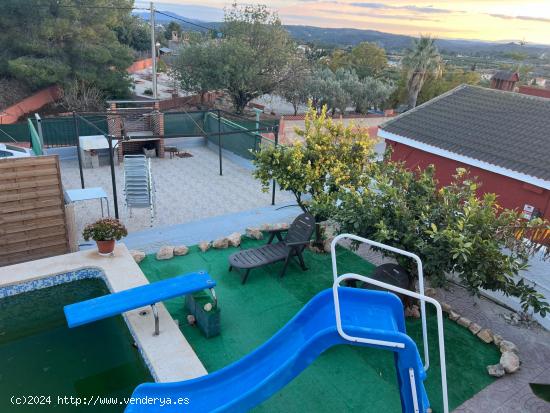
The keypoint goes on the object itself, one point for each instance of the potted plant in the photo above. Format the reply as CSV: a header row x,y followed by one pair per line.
x,y
105,232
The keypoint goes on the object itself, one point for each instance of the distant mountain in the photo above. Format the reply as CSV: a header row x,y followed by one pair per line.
x,y
343,37
347,37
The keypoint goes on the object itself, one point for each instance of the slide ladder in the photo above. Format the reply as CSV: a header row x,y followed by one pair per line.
x,y
340,315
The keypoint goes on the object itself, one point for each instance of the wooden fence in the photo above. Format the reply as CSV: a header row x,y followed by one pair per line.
x,y
32,210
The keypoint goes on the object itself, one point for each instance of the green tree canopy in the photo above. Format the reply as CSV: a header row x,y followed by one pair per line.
x,y
196,67
451,228
436,85
328,158
51,42
251,59
343,89
366,59
172,27
295,89
134,32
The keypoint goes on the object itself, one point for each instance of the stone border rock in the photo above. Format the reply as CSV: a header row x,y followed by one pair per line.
x,y
181,250
509,361
254,233
167,252
137,255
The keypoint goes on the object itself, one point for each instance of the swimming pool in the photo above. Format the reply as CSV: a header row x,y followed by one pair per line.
x,y
39,355
12,151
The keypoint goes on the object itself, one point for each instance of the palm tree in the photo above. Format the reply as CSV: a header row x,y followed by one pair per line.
x,y
420,62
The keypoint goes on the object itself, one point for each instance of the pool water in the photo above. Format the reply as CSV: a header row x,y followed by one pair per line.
x,y
40,356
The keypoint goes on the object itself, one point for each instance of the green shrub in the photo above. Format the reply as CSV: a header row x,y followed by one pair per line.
x,y
451,228
328,157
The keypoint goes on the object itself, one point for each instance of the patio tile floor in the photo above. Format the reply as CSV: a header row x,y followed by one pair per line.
x,y
186,189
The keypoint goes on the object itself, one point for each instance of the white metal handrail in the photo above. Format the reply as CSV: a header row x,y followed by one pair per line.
x,y
399,290
420,280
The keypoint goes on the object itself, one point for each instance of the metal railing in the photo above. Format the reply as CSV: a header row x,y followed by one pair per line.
x,y
420,279
419,296
351,276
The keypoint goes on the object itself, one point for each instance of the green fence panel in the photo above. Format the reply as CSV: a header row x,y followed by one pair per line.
x,y
60,131
240,142
251,124
178,124
18,132
57,131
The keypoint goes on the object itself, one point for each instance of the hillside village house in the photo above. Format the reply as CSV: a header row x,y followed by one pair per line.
x,y
501,137
504,80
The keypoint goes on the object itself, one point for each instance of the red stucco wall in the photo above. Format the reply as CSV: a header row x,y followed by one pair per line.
x,y
30,104
535,91
140,65
511,192
51,94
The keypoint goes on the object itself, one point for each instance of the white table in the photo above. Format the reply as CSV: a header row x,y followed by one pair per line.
x,y
90,144
75,195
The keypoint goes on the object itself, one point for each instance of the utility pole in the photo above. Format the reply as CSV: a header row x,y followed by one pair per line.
x,y
154,51
276,135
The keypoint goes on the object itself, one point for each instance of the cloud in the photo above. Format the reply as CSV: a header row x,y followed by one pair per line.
x,y
381,16
527,18
383,6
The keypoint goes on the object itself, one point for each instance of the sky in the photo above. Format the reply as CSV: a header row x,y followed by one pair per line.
x,y
496,20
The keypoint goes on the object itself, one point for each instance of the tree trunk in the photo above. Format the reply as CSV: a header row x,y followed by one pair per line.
x,y
412,98
318,233
239,101
414,87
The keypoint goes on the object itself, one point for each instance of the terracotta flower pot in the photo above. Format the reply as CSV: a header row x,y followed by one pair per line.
x,y
105,247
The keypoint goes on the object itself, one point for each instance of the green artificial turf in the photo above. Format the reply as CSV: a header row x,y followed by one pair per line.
x,y
345,378
542,391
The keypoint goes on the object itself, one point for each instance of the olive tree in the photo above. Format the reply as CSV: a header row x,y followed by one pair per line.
x,y
344,89
295,89
252,57
194,69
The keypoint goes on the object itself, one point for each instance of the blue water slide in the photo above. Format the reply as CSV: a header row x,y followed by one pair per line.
x,y
374,315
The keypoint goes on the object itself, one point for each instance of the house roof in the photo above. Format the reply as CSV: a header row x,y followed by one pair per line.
x,y
499,130
505,75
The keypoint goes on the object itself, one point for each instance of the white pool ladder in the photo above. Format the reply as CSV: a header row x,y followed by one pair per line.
x,y
337,280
